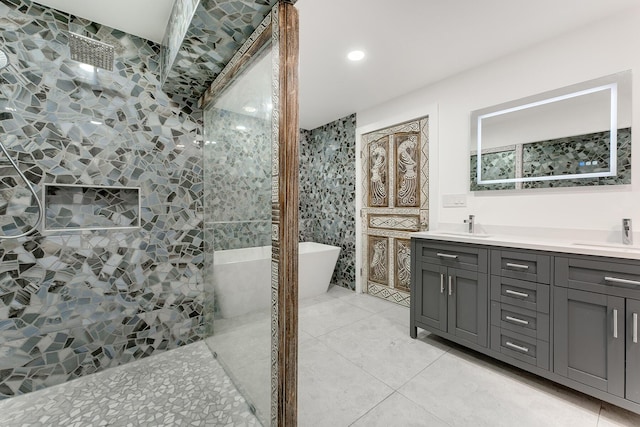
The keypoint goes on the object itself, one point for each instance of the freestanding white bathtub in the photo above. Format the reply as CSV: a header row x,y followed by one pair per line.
x,y
242,277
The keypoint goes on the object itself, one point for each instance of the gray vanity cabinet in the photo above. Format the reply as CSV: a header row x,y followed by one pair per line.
x,y
567,317
596,309
590,339
430,291
520,306
451,287
632,390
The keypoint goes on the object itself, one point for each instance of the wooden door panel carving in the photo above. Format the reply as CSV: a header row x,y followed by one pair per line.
x,y
378,263
407,170
395,203
378,178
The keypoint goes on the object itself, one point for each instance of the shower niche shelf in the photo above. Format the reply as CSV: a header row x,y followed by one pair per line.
x,y
84,207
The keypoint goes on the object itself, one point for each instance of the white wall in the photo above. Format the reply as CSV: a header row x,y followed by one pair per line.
x,y
606,47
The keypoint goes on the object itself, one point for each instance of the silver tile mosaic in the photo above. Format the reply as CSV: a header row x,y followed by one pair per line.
x,y
237,190
327,192
577,154
75,207
571,155
186,386
177,27
217,29
498,165
73,303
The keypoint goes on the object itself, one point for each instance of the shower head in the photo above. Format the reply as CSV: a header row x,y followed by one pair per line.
x,y
4,60
89,51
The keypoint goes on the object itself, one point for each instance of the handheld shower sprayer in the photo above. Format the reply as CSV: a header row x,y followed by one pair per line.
x,y
33,192
4,62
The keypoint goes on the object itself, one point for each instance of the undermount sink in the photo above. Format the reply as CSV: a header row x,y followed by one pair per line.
x,y
462,234
607,246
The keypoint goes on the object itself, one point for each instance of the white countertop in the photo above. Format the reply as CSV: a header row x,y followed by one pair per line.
x,y
605,249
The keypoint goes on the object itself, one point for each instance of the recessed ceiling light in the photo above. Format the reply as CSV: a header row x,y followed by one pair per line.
x,y
249,109
355,55
240,127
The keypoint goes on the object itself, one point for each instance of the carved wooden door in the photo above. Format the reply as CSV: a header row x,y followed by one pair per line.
x,y
396,202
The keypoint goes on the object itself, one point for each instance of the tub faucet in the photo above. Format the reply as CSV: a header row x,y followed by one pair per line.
x,y
471,223
627,231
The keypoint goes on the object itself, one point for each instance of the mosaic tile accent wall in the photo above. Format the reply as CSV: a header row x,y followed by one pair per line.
x,y
574,155
577,155
73,303
176,30
327,192
237,189
214,32
498,165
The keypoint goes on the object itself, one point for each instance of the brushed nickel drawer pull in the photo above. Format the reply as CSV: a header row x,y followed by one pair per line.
x,y
517,347
517,294
450,285
441,255
615,323
516,320
635,328
517,266
442,283
622,281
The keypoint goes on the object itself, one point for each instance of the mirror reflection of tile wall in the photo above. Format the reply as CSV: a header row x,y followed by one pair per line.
x,y
573,155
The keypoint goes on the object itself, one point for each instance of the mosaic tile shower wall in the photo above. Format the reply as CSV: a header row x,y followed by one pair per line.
x,y
577,154
237,189
73,303
202,41
327,192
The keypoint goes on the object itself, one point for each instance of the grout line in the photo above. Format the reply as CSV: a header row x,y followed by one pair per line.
x,y
372,408
348,325
363,371
425,368
423,408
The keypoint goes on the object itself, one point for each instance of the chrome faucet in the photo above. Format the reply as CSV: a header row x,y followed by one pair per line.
x,y
627,231
471,223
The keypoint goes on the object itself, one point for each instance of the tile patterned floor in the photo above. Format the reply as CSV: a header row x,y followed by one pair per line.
x,y
358,367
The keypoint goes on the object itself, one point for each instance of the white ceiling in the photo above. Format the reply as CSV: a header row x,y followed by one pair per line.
x,y
414,43
409,43
145,18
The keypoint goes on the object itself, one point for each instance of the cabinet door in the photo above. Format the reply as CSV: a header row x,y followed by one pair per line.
x,y
431,300
633,351
589,339
468,305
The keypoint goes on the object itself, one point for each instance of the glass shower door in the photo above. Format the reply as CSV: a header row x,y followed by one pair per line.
x,y
237,171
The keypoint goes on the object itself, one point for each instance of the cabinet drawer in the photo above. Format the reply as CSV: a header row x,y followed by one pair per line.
x,y
520,347
521,320
602,275
466,257
533,296
521,265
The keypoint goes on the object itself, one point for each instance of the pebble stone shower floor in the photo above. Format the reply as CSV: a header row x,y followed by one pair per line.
x,y
181,387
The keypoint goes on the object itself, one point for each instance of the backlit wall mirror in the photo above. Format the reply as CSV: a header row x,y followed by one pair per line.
x,y
573,136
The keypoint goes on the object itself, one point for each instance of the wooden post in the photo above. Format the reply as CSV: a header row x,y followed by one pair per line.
x,y
289,132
